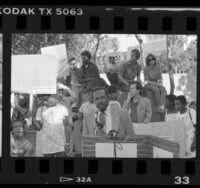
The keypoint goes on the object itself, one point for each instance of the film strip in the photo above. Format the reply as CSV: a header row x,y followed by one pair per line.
x,y
44,20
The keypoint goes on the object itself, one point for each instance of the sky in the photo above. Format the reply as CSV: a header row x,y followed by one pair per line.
x,y
126,41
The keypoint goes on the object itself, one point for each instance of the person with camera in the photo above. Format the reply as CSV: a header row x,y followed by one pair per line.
x,y
139,107
107,117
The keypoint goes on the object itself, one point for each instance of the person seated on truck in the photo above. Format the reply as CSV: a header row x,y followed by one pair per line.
x,y
154,82
129,71
89,73
112,72
139,107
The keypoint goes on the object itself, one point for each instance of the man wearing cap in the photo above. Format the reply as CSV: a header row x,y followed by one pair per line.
x,y
89,73
112,70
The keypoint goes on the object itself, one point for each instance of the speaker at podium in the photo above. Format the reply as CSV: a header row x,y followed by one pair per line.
x,y
139,146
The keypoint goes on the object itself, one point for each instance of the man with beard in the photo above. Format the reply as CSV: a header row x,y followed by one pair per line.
x,y
88,73
107,117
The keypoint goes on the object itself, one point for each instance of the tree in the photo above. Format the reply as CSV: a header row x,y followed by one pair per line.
x,y
140,41
97,44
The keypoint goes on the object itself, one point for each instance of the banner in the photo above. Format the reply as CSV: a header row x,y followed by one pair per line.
x,y
34,74
173,131
60,52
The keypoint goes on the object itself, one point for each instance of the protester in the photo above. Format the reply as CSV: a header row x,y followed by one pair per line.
x,y
89,73
139,107
20,145
21,109
39,106
112,71
107,117
54,125
170,108
76,134
114,94
153,77
67,98
129,71
193,105
188,115
89,105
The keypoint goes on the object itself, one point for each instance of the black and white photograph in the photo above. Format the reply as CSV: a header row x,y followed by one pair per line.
x,y
103,95
1,61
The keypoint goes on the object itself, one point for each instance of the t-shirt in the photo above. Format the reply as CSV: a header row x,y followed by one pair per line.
x,y
53,132
129,71
186,118
112,68
154,74
189,128
87,107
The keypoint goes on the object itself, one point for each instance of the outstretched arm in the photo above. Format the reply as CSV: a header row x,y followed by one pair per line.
x,y
29,150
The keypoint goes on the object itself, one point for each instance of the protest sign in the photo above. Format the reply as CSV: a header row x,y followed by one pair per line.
x,y
34,74
173,131
60,52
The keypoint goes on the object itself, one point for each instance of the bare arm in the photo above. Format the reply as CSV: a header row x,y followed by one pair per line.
x,y
121,79
127,102
37,124
29,150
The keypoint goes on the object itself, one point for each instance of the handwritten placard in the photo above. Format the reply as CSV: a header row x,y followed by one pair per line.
x,y
60,52
34,74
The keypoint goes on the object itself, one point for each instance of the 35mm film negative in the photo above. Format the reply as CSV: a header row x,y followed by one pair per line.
x,y
99,95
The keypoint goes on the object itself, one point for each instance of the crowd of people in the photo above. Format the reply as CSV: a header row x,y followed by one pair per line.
x,y
62,119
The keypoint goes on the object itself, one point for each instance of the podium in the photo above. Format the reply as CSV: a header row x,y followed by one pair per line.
x,y
143,146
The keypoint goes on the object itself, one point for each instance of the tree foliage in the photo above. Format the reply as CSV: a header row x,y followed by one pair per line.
x,y
97,44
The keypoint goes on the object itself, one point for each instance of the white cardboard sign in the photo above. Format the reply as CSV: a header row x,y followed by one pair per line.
x,y
34,74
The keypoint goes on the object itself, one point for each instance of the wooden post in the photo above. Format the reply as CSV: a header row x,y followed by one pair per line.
x,y
170,67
